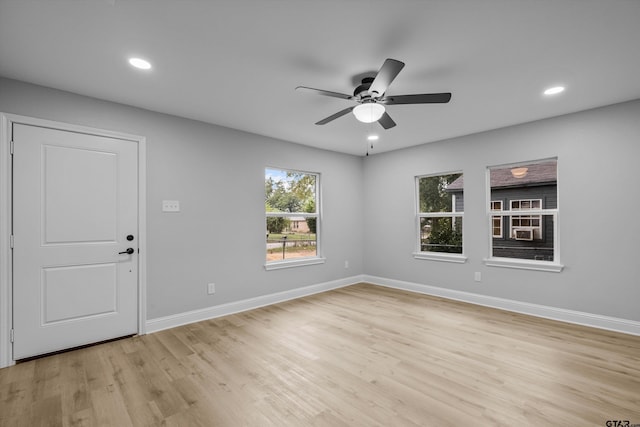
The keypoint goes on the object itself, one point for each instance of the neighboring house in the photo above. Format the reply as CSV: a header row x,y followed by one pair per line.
x,y
298,225
519,235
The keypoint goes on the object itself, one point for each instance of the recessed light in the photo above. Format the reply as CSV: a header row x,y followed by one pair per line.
x,y
373,137
140,63
554,90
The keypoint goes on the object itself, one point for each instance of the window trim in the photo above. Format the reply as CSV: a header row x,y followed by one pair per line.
x,y
298,262
436,256
525,264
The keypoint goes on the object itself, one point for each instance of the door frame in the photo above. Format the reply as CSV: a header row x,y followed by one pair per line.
x,y
6,208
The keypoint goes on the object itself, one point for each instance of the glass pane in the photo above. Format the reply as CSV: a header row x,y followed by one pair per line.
x,y
527,242
289,238
289,191
441,234
525,186
438,193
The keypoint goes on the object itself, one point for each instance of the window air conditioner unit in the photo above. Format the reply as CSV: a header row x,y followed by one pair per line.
x,y
523,234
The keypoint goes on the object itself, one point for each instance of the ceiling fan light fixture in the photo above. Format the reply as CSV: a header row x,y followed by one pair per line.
x,y
368,112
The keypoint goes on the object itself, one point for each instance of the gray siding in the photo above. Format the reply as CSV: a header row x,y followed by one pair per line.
x,y
541,249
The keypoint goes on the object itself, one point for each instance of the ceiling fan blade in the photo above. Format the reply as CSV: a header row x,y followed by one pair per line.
x,y
324,92
335,116
422,98
385,76
386,121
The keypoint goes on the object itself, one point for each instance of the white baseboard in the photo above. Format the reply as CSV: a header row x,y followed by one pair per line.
x,y
158,324
570,316
563,315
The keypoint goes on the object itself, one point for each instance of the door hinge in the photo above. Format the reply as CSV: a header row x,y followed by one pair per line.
x,y
11,147
11,241
11,335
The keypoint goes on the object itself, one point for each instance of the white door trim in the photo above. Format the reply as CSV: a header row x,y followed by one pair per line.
x,y
6,298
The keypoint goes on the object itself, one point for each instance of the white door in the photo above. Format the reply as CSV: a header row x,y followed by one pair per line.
x,y
75,205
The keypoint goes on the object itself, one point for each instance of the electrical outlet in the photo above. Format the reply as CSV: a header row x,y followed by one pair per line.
x,y
346,264
170,206
477,276
211,288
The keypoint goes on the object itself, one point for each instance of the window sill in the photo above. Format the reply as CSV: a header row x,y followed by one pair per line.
x,y
456,258
277,265
524,264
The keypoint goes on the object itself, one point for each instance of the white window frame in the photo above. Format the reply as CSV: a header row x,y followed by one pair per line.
x,y
298,262
499,218
436,256
554,266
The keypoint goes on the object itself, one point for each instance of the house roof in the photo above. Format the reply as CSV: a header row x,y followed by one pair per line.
x,y
537,174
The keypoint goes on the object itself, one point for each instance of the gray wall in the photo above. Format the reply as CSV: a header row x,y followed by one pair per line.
x,y
218,175
598,155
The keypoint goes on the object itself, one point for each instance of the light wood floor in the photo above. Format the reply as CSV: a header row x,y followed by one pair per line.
x,y
358,356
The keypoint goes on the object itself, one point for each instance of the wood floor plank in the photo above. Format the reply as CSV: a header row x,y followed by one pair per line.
x,y
357,356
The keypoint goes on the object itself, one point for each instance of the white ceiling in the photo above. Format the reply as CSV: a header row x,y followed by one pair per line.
x,y
236,63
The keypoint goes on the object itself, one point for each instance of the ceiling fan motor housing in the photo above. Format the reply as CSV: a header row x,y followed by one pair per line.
x,y
363,90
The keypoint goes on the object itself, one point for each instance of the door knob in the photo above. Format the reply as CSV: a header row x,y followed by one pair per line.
x,y
128,251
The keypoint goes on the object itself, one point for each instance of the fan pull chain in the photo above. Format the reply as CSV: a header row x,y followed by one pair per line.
x,y
369,142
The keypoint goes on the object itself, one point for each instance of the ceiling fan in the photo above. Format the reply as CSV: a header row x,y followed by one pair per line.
x,y
371,97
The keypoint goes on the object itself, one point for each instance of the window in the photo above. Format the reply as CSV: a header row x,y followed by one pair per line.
x,y
526,227
496,221
440,211
292,209
530,192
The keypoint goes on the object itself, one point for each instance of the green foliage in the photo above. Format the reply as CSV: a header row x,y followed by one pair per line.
x,y
279,198
445,237
433,197
276,224
302,185
310,206
296,193
269,184
292,194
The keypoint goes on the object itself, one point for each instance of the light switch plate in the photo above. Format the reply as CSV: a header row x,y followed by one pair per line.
x,y
170,206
